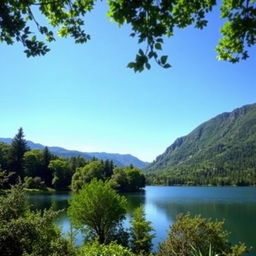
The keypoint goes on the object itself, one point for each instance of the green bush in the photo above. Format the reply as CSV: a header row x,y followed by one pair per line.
x,y
198,233
96,249
26,233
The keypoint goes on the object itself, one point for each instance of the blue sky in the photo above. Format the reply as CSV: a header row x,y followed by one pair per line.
x,y
83,97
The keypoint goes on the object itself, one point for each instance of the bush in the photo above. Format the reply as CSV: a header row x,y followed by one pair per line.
x,y
96,249
198,233
26,233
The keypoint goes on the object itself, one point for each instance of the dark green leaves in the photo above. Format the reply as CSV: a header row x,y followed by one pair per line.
x,y
151,21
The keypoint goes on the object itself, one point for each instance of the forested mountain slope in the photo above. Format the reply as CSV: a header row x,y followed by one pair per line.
x,y
218,152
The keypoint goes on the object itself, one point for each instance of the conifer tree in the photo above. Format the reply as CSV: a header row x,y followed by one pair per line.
x,y
16,154
141,231
46,172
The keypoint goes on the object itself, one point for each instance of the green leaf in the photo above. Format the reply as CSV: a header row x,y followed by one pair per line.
x,y
159,40
148,66
164,59
158,46
131,65
167,65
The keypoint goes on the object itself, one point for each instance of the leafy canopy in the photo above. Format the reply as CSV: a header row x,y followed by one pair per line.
x,y
104,250
24,232
196,233
98,208
151,21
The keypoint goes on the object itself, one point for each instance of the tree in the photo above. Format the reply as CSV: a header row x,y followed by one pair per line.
x,y
197,233
141,231
33,163
16,155
4,152
151,21
127,179
98,207
23,232
61,173
46,173
108,168
94,169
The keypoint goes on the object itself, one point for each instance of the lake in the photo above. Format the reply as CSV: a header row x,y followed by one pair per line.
x,y
235,205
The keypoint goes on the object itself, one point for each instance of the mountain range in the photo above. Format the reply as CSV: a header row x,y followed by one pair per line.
x,y
118,159
222,148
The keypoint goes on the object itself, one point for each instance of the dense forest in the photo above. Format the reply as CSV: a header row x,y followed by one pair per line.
x,y
221,151
40,169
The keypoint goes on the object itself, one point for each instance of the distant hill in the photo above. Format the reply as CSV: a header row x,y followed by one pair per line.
x,y
219,151
118,159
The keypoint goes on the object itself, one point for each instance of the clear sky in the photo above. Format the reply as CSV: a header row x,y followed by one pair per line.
x,y
83,97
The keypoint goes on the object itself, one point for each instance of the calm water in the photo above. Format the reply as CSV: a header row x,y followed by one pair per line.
x,y
236,205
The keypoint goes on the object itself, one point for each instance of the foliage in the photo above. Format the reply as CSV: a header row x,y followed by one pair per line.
x,y
198,233
127,179
4,154
33,162
23,232
150,21
99,208
16,154
46,173
61,173
141,232
4,179
221,151
97,249
94,169
35,183
40,168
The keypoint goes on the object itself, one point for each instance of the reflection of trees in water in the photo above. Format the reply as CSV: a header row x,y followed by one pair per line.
x,y
239,217
134,200
47,201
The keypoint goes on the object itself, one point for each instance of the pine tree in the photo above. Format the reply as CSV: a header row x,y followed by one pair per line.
x,y
16,154
46,172
108,168
141,230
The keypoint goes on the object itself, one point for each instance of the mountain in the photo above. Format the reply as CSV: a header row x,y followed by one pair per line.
x,y
219,151
118,159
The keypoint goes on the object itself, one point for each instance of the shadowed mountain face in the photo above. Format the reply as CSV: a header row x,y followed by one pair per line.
x,y
226,142
118,159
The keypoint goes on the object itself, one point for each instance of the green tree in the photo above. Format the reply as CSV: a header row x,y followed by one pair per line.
x,y
46,173
61,174
23,232
104,250
16,154
198,233
150,21
4,179
127,179
99,208
141,232
94,169
108,168
76,162
4,152
33,163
